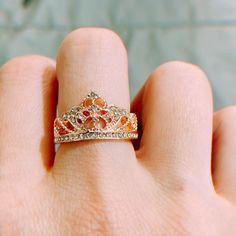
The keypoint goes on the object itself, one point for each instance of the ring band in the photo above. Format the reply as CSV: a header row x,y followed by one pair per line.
x,y
95,119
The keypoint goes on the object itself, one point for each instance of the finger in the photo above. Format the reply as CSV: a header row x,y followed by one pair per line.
x,y
92,59
224,153
176,112
27,107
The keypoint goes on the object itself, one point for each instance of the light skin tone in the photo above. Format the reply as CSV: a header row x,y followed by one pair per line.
x,y
180,179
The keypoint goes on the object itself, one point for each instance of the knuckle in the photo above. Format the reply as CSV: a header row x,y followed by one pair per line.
x,y
92,37
180,70
32,61
181,66
180,75
26,65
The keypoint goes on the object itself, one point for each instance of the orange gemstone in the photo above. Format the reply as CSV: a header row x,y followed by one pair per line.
x,y
129,126
134,119
123,120
88,102
86,113
68,125
89,123
100,102
103,112
101,123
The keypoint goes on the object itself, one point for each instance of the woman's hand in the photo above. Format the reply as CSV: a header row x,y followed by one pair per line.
x,y
180,180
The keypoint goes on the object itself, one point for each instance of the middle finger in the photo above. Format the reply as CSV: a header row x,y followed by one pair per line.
x,y
92,59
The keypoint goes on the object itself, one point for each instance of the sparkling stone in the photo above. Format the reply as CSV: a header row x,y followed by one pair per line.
x,y
86,113
68,125
65,116
100,102
89,123
113,134
109,120
134,119
57,124
123,120
116,117
120,135
79,121
103,112
73,120
92,94
101,124
129,126
88,102
62,131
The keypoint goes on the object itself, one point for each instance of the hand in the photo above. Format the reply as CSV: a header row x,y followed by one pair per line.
x,y
177,181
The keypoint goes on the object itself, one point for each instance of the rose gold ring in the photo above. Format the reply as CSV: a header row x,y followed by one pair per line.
x,y
95,119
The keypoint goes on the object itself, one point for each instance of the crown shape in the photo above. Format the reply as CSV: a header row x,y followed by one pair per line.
x,y
95,115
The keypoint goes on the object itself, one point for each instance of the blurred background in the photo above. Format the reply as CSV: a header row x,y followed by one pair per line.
x,y
154,31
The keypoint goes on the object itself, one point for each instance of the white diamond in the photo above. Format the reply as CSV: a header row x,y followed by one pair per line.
x,y
73,119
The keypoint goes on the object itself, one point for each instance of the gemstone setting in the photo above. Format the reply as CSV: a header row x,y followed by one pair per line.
x,y
95,119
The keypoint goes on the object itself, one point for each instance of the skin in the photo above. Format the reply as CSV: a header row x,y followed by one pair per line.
x,y
178,180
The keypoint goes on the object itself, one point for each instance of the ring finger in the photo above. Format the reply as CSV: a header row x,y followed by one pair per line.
x,y
92,59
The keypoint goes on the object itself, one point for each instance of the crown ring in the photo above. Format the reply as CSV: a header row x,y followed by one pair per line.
x,y
95,119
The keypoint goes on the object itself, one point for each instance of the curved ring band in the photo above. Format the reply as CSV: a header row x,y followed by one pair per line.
x,y
95,119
